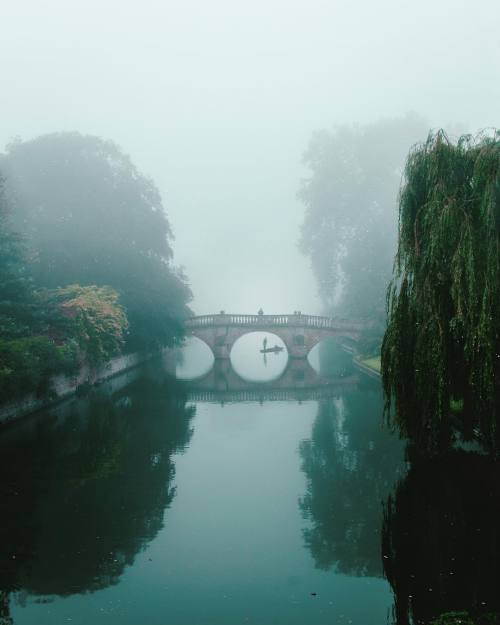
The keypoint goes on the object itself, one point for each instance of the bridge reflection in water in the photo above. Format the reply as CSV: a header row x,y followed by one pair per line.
x,y
299,382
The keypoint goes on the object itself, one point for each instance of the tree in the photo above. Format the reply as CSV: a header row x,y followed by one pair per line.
x,y
90,316
91,218
16,293
42,331
441,350
28,358
349,229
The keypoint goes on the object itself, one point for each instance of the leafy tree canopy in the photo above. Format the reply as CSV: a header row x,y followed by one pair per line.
x,y
442,345
89,315
91,218
349,229
27,357
16,309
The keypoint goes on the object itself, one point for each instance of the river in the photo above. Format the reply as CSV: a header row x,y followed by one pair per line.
x,y
187,501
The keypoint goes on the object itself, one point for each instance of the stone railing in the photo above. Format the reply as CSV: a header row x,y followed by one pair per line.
x,y
266,321
228,397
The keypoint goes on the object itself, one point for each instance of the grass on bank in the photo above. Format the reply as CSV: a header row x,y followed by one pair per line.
x,y
372,363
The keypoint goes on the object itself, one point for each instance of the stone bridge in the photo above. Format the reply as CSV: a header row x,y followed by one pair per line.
x,y
299,382
300,333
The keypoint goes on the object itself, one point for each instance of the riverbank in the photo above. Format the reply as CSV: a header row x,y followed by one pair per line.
x,y
371,366
64,387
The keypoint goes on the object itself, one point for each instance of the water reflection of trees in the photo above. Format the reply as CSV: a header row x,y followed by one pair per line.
x,y
83,494
441,539
351,464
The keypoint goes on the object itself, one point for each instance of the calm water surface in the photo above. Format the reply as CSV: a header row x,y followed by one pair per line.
x,y
145,503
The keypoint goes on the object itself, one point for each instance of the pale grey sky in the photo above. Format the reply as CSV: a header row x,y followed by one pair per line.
x,y
216,101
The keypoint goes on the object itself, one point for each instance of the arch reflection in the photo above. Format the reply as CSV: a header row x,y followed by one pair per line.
x,y
298,382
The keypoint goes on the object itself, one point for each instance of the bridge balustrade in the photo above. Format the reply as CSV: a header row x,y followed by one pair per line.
x,y
311,321
260,396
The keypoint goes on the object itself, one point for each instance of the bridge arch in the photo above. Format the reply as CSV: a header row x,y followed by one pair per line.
x,y
195,359
300,333
250,363
203,337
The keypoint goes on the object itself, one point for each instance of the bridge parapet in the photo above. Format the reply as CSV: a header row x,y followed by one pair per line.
x,y
269,321
228,397
299,332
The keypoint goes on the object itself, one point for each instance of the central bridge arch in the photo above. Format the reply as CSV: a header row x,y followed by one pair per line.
x,y
300,333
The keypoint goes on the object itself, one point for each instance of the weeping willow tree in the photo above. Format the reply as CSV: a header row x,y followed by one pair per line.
x,y
441,350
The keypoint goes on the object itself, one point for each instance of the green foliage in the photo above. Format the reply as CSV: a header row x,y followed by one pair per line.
x,y
16,310
442,340
91,316
27,364
350,197
85,215
90,217
28,358
46,332
370,341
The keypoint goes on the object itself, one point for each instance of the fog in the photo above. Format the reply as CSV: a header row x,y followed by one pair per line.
x,y
216,101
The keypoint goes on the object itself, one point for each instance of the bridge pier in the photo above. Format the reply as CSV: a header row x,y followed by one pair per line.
x,y
299,333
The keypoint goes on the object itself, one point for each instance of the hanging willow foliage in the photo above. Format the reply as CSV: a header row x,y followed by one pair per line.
x,y
441,349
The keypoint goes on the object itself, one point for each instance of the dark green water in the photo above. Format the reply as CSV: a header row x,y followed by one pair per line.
x,y
143,504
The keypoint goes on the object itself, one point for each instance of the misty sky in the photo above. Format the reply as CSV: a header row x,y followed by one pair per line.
x,y
216,101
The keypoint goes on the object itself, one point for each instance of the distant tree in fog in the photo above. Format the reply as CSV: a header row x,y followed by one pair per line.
x,y
350,225
92,218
